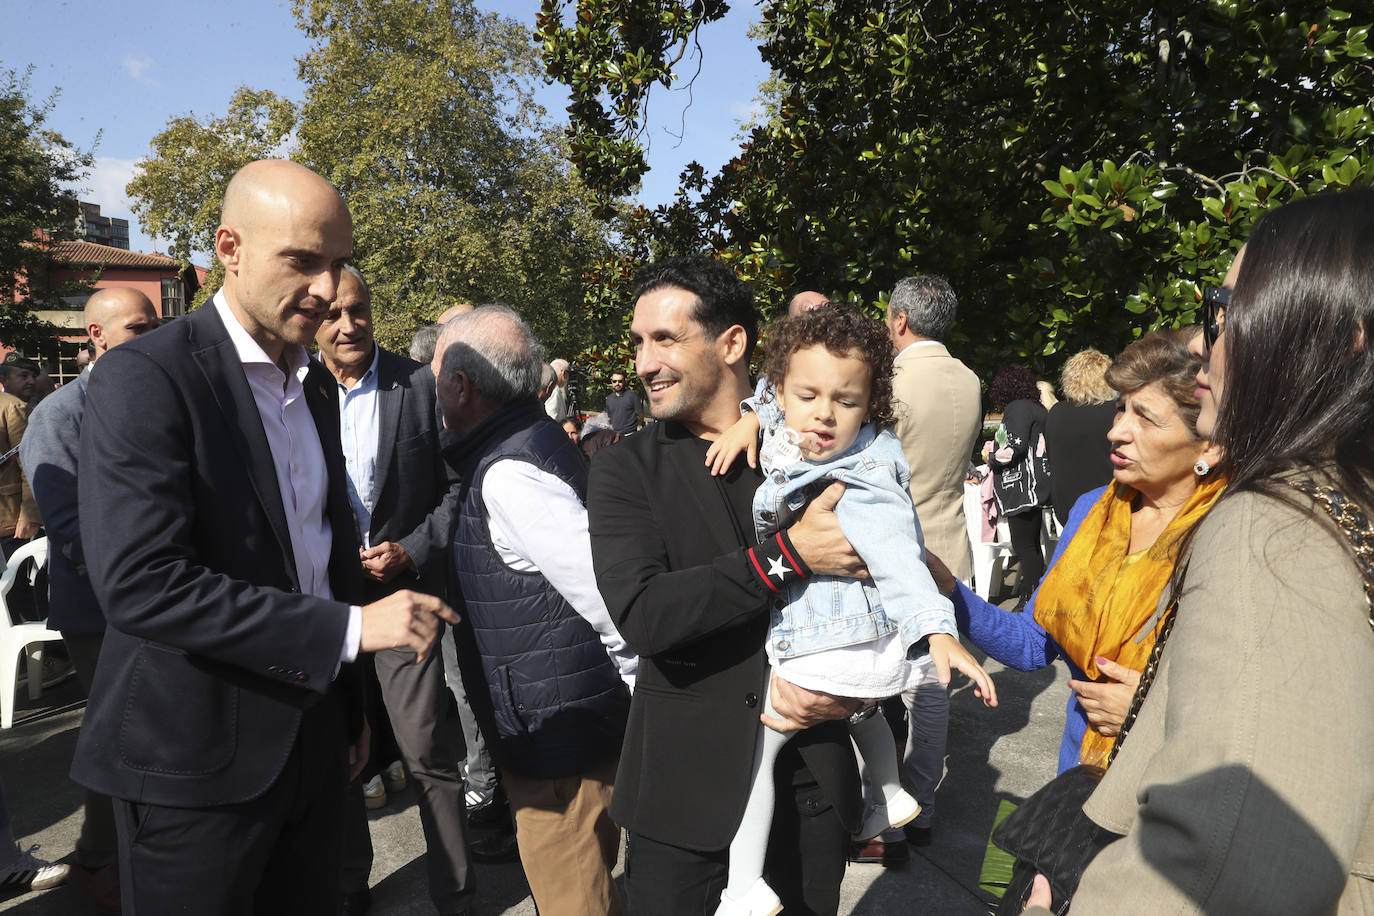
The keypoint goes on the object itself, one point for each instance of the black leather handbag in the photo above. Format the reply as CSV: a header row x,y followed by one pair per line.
x,y
1050,835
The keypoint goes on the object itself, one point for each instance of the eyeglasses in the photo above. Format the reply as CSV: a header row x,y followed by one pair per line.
x,y
1214,302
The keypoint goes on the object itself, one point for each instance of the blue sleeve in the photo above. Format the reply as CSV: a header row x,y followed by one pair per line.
x,y
877,517
1016,639
48,454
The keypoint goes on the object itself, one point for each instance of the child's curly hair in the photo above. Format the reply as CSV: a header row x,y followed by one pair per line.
x,y
841,329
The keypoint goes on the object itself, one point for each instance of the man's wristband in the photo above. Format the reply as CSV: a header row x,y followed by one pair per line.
x,y
776,559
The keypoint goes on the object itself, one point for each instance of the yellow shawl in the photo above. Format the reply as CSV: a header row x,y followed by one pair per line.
x,y
1094,601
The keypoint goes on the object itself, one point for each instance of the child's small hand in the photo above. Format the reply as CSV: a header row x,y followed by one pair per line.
x,y
947,652
742,437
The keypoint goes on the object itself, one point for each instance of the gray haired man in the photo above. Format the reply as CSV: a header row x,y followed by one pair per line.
x,y
547,672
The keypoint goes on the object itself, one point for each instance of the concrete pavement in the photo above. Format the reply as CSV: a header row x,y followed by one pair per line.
x,y
993,753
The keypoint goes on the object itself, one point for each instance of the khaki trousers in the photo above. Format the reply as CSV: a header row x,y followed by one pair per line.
x,y
568,842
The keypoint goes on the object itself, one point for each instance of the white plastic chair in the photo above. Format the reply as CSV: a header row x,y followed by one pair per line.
x,y
989,557
18,637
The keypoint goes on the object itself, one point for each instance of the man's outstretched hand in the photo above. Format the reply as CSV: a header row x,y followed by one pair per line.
x,y
405,620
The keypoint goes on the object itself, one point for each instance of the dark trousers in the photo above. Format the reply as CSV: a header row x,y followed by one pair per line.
x,y
97,845
804,865
425,722
1024,529
279,853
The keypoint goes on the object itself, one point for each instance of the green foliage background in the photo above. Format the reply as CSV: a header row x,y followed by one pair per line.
x,y
421,113
1076,170
35,166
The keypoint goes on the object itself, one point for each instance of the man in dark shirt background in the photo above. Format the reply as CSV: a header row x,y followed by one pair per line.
x,y
622,406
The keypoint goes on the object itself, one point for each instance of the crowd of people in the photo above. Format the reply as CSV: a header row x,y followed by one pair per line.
x,y
673,623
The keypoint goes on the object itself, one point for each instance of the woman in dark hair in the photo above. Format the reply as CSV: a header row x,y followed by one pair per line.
x,y
1246,784
1020,473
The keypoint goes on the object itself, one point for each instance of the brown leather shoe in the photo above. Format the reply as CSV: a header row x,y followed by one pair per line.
x,y
100,885
876,852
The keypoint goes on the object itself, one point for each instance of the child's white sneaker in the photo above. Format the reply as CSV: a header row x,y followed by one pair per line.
x,y
759,900
900,809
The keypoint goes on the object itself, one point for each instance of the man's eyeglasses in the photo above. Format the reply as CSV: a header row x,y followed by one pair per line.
x,y
1214,302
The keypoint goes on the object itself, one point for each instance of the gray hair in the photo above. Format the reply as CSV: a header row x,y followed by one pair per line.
x,y
560,365
928,303
422,345
547,376
497,351
357,274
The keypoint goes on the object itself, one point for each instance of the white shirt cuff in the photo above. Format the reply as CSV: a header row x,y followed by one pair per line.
x,y
353,636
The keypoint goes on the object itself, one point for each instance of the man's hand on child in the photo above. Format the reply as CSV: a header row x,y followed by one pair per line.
x,y
797,708
742,437
947,652
817,536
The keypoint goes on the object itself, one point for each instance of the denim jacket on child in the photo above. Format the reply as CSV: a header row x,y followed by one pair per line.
x,y
876,515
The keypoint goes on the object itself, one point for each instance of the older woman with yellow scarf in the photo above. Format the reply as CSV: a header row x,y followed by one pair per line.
x,y
1096,606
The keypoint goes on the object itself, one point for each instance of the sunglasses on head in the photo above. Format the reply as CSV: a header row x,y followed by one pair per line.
x,y
1214,302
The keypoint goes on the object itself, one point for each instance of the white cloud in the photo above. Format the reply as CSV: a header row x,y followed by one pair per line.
x,y
105,186
747,113
138,67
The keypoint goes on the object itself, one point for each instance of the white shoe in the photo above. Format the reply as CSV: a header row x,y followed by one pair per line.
x,y
395,776
900,809
759,900
32,873
374,793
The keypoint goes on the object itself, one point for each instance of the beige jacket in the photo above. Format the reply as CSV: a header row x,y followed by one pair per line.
x,y
1247,784
16,502
939,416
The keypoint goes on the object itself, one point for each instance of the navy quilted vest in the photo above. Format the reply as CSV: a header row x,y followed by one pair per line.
x,y
559,704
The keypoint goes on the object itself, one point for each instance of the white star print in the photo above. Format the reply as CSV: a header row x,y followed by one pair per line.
x,y
776,568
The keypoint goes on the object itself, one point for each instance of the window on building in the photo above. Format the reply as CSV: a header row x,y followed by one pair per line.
x,y
173,297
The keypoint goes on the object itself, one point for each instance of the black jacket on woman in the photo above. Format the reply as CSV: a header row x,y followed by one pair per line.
x,y
1025,424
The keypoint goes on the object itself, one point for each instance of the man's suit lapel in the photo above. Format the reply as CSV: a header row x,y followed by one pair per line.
x,y
390,398
216,356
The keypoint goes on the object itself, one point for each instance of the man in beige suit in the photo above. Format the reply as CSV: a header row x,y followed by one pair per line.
x,y
939,416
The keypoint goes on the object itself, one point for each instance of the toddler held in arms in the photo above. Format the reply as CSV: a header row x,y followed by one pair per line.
x,y
827,418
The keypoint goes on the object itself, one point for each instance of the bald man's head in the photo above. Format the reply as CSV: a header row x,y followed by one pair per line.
x,y
117,314
453,311
805,301
285,235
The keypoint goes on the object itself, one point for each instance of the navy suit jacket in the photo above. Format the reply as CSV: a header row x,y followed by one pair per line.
x,y
414,490
49,454
212,652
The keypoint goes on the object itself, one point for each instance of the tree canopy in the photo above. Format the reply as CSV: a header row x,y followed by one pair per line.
x,y
37,208
421,113
1076,170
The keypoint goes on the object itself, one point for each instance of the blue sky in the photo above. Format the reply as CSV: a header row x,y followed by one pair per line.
x,y
125,69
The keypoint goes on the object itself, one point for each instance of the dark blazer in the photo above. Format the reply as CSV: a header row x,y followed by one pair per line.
x,y
414,491
212,653
669,546
49,453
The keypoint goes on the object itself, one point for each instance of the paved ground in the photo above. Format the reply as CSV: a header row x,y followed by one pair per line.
x,y
993,754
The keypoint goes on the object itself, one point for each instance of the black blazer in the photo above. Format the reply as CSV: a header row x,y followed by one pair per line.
x,y
414,491
669,552
212,652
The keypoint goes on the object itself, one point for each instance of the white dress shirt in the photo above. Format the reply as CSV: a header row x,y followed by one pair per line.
x,y
359,427
297,457
538,524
